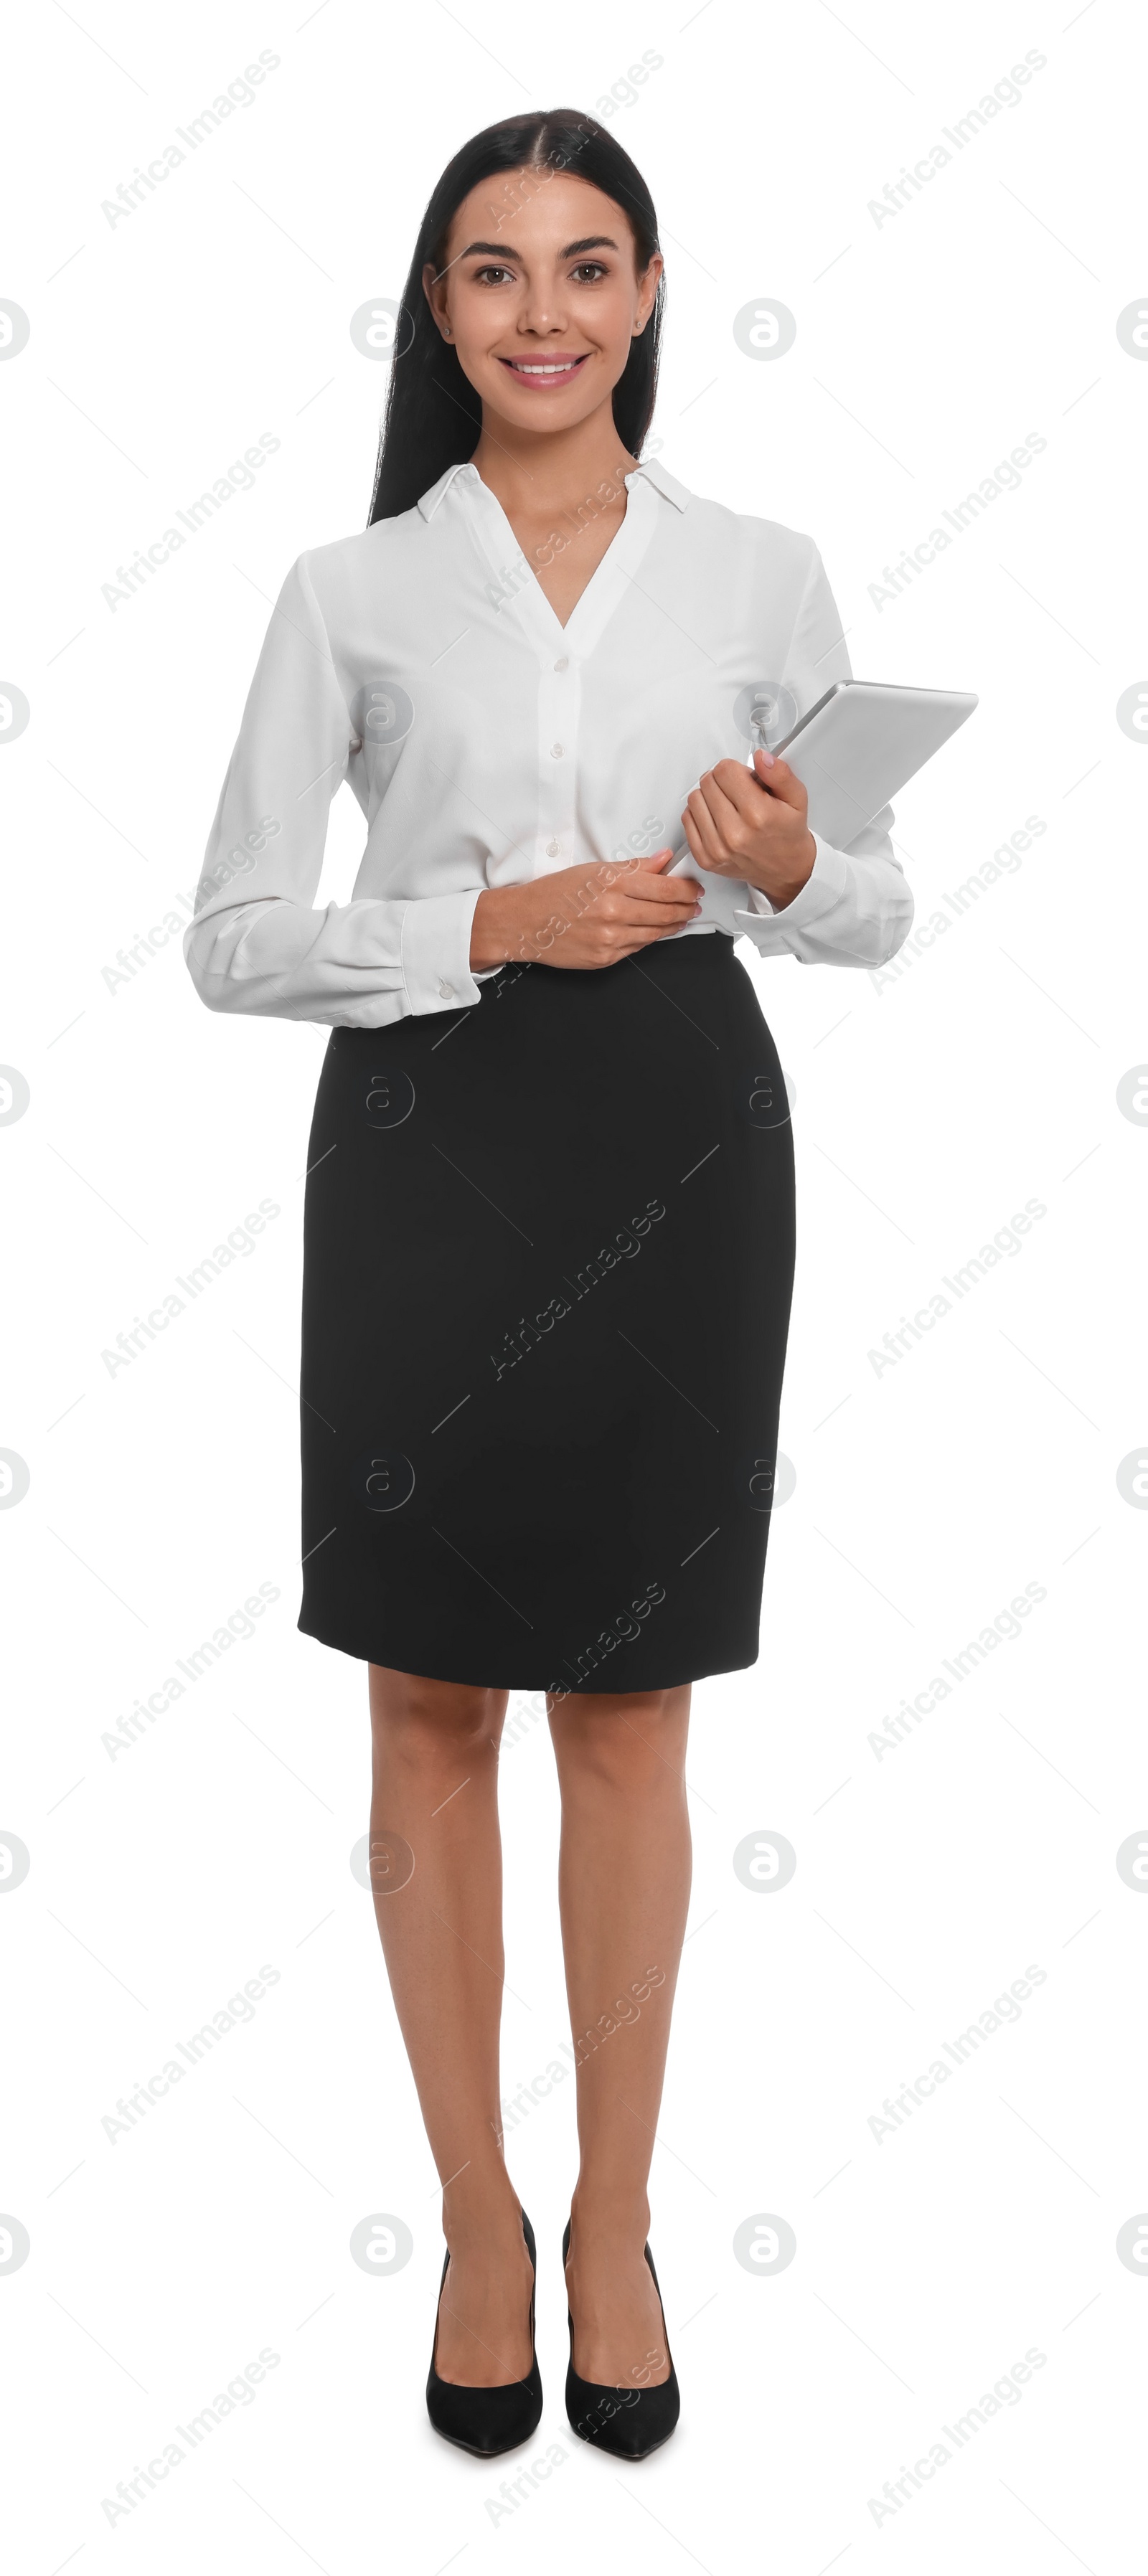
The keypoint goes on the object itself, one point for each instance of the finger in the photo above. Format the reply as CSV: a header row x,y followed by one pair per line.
x,y
683,856
701,861
649,926
742,789
660,889
780,780
636,865
710,843
709,863
722,807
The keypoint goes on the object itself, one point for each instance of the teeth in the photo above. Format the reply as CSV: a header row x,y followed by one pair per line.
x,y
522,369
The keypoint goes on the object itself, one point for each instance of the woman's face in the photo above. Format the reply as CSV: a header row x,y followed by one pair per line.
x,y
540,296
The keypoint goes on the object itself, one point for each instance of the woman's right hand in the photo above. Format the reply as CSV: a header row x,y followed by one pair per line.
x,y
588,916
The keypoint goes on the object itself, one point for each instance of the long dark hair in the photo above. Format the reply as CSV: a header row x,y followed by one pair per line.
x,y
433,414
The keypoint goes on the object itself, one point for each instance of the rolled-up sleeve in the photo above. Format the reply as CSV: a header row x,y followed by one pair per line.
x,y
855,908
256,942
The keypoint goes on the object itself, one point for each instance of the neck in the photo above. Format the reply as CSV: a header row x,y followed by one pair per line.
x,y
548,473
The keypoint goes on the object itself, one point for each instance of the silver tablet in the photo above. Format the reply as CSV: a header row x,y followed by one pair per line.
x,y
857,747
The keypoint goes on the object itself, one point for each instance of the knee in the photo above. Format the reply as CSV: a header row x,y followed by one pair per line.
x,y
430,1724
622,1745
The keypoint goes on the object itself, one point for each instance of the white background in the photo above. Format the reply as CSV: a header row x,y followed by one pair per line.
x,y
928,1109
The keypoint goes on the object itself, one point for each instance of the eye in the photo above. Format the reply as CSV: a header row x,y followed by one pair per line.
x,y
491,270
598,266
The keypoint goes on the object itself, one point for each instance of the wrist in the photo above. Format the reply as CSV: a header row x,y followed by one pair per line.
x,y
783,889
489,943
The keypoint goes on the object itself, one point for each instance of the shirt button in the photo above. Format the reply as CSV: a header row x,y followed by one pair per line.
x,y
553,849
447,992
556,751
563,664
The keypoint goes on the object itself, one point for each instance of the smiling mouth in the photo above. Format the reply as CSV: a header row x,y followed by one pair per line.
x,y
545,371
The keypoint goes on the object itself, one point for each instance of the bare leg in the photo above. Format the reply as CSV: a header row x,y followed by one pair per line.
x,y
624,1885
435,1771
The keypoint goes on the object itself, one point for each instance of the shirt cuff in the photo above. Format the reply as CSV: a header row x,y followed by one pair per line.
x,y
435,951
823,887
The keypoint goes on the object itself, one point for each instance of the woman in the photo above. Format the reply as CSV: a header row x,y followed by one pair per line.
x,y
548,1235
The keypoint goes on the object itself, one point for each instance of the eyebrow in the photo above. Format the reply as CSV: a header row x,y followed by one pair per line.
x,y
502,250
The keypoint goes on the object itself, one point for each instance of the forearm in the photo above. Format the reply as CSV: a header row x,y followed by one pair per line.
x,y
356,965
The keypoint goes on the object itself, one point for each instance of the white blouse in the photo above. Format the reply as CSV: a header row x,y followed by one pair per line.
x,y
487,743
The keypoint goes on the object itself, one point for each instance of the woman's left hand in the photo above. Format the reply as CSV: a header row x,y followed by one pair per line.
x,y
751,823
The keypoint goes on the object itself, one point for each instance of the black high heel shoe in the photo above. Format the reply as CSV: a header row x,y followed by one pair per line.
x,y
487,2420
628,2422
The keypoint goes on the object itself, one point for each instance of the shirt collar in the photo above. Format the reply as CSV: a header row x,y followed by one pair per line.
x,y
663,482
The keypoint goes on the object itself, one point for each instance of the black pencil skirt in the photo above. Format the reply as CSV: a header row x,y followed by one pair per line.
x,y
548,1263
